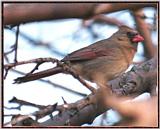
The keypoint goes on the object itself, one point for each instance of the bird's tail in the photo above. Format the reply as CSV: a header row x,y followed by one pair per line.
x,y
38,75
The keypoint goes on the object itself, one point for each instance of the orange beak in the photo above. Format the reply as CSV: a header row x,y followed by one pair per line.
x,y
137,38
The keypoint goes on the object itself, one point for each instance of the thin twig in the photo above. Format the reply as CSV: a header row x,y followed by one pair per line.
x,y
65,67
44,110
16,44
8,115
75,75
55,85
34,43
13,48
38,60
10,108
87,85
103,19
22,102
9,66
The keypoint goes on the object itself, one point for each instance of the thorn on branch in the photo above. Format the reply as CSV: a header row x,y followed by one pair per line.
x,y
64,101
35,68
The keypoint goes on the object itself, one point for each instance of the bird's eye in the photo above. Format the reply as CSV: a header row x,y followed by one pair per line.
x,y
131,34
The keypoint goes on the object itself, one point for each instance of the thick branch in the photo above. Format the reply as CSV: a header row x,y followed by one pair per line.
x,y
108,8
142,78
21,13
89,112
85,112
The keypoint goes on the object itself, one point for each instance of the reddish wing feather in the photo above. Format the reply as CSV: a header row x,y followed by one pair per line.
x,y
86,54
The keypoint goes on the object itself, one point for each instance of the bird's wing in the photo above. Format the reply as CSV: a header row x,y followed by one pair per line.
x,y
88,53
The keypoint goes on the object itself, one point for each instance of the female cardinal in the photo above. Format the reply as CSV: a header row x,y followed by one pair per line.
x,y
101,61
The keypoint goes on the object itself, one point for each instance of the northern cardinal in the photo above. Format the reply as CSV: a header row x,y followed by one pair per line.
x,y
101,61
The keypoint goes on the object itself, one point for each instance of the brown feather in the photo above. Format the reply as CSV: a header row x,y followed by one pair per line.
x,y
101,61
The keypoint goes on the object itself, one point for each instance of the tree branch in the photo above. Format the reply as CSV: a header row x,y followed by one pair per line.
x,y
22,13
85,110
142,27
89,112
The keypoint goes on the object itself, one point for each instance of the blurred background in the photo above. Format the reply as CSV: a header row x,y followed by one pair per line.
x,y
57,38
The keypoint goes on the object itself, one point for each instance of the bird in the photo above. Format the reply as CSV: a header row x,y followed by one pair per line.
x,y
99,62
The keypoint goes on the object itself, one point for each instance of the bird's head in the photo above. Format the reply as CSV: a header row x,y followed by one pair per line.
x,y
128,36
